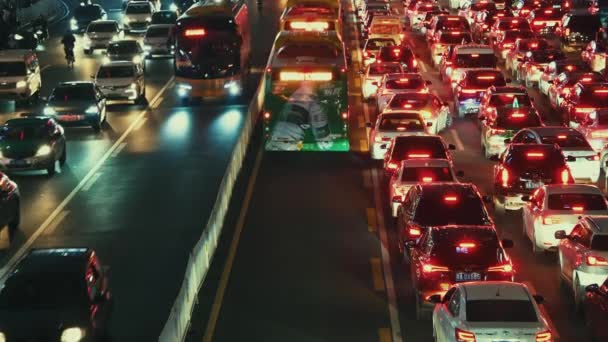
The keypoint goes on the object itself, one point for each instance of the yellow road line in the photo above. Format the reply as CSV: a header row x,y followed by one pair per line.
x,y
377,278
371,219
363,145
384,335
225,277
367,183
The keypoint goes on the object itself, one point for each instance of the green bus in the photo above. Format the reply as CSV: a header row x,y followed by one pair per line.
x,y
306,95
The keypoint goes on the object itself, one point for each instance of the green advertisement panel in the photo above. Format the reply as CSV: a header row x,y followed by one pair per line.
x,y
306,112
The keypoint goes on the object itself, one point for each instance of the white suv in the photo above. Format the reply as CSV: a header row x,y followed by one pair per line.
x,y
122,80
99,34
20,78
137,16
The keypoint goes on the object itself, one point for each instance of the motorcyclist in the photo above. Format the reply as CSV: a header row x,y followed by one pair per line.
x,y
68,42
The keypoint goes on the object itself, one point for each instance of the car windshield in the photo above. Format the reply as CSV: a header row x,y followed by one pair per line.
x,y
401,122
500,310
419,148
376,44
294,51
71,93
381,69
486,79
466,210
12,69
157,32
542,159
427,174
123,48
514,122
500,100
594,98
570,140
475,60
115,71
102,27
90,11
11,132
572,201
43,290
410,101
511,36
455,38
138,9
514,24
405,83
600,243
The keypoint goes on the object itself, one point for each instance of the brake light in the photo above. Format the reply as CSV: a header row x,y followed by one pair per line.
x,y
534,45
578,208
309,25
551,220
392,166
514,21
538,23
593,260
418,155
455,33
267,115
486,77
507,268
583,109
518,115
544,336
407,105
562,137
469,91
305,76
344,115
565,176
403,80
414,232
595,157
427,179
450,199
396,52
475,55
464,336
548,11
586,79
429,268
504,177
599,134
195,32
535,155
467,245
453,19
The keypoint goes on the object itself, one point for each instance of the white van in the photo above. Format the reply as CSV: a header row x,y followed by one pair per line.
x,y
20,77
386,26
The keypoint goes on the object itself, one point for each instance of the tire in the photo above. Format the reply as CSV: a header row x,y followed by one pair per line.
x,y
578,296
96,127
13,225
50,169
64,154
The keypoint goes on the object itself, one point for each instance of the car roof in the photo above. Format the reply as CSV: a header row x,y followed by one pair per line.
x,y
496,290
138,3
57,260
598,223
434,162
552,189
509,90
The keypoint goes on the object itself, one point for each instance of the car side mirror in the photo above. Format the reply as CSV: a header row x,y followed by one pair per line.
x,y
494,157
486,199
525,198
383,146
429,124
560,234
593,288
368,124
459,173
507,243
428,82
435,299
508,80
570,158
507,141
451,147
538,299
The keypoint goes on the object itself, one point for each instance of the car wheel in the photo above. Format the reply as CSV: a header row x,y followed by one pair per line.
x,y
13,225
578,295
50,169
64,154
96,126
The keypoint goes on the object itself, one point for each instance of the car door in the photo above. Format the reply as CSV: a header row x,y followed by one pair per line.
x,y
568,250
453,309
443,316
532,210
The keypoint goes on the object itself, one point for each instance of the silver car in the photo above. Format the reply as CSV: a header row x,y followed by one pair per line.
x,y
99,34
158,41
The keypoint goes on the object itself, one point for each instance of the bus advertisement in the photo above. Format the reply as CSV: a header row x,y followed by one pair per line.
x,y
306,96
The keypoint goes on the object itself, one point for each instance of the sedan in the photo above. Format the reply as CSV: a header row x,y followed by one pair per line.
x,y
393,124
77,104
399,83
125,50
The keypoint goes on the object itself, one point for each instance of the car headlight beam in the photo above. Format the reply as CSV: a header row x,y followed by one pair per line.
x,y
21,84
73,334
43,150
49,111
92,110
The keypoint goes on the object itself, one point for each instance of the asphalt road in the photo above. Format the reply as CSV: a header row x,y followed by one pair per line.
x,y
139,192
310,255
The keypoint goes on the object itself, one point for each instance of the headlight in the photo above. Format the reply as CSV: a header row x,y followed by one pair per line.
x,y
126,19
133,86
2,337
43,151
92,110
49,111
115,37
105,60
72,335
21,84
149,19
136,59
173,7
73,22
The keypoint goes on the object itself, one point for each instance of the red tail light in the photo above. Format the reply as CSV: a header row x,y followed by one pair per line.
x,y
450,199
464,336
344,115
195,32
544,336
504,178
565,176
418,155
414,232
427,179
535,155
392,166
506,268
593,260
470,91
429,268
578,208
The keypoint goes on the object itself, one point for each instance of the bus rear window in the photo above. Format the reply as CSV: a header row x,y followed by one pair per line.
x,y
410,101
427,174
308,50
578,202
500,310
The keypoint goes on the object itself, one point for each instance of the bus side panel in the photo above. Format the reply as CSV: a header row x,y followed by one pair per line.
x,y
306,116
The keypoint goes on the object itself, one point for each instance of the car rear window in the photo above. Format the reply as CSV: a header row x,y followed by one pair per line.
x,y
401,122
547,56
23,132
452,24
90,11
475,60
566,140
486,79
70,93
576,201
376,44
511,36
467,209
584,23
515,121
308,50
495,310
385,28
427,174
514,24
405,83
534,44
600,243
515,100
138,9
546,161
123,48
548,14
157,32
381,69
465,246
410,101
455,38
43,291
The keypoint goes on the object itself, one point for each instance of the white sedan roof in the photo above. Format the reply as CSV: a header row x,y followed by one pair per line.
x,y
553,189
496,290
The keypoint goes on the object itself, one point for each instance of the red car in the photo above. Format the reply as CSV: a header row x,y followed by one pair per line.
x,y
596,310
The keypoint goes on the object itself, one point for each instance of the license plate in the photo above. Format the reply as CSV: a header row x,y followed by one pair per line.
x,y
532,185
70,117
461,276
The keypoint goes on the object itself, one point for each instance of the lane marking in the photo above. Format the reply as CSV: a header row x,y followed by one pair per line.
x,y
363,145
367,178
371,219
4,271
384,334
386,263
360,121
158,102
118,149
543,310
225,277
377,279
53,226
91,181
140,124
457,141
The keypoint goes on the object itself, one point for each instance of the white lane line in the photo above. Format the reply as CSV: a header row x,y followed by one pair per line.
x,y
91,181
386,263
118,149
53,226
140,123
457,141
4,271
542,308
158,102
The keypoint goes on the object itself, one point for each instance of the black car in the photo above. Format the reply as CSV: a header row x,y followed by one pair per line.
x,y
23,39
164,17
84,15
58,294
10,209
77,104
579,28
415,147
32,143
126,50
402,54
451,254
523,168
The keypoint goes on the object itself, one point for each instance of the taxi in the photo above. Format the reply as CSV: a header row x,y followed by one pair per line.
x,y
497,128
398,83
555,68
443,40
472,86
497,97
430,106
373,75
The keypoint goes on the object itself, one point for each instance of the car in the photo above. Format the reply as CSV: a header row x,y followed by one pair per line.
x,y
414,147
470,11
386,26
158,41
66,290
32,143
430,106
125,50
523,168
418,16
578,28
466,57
584,162
563,84
403,54
452,254
594,54
371,48
78,103
584,99
99,34
518,53
373,5
596,310
122,80
555,68
444,40
426,22
391,84
534,63
557,207
545,20
10,207
446,23
472,86
497,97
137,16
373,75
506,41
473,310
583,255
501,25
414,171
395,124
366,21
164,17
501,124
20,76
84,15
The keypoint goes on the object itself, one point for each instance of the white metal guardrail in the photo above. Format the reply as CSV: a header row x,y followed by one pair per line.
x,y
176,327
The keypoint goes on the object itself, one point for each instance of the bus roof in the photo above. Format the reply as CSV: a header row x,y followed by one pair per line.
x,y
285,38
328,3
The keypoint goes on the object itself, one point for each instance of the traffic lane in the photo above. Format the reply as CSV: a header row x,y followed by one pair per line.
x,y
147,208
302,268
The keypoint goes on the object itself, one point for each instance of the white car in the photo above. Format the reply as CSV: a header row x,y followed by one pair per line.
x,y
20,76
558,207
414,171
122,80
392,84
374,73
489,311
158,40
394,124
99,34
583,255
584,162
137,16
432,109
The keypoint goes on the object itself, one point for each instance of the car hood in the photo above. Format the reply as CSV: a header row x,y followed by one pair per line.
x,y
101,35
17,323
114,82
20,149
76,106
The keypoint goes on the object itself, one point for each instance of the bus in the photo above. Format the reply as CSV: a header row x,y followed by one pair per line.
x,y
306,96
212,50
312,15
